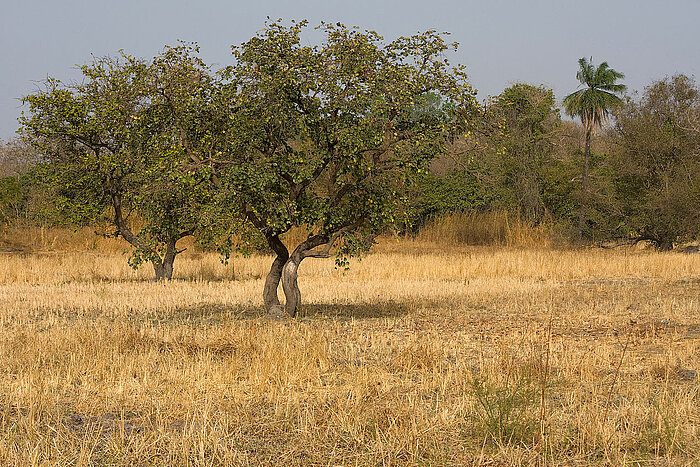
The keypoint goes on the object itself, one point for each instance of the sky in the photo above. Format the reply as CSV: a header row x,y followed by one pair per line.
x,y
501,41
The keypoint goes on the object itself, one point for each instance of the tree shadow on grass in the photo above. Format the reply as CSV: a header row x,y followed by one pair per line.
x,y
347,311
215,313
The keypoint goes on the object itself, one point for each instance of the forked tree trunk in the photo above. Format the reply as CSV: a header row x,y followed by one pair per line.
x,y
290,285
163,270
307,249
270,298
291,269
164,267
584,184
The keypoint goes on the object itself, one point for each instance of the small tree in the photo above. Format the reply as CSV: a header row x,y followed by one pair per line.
x,y
592,105
323,137
521,147
17,161
108,144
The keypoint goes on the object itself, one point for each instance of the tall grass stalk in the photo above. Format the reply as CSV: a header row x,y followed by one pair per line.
x,y
498,228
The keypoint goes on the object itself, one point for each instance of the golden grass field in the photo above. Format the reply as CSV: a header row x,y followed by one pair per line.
x,y
418,355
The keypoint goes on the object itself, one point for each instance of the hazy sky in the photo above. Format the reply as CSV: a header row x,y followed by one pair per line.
x,y
501,41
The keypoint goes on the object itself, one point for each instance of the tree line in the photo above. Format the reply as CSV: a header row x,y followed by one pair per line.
x,y
346,139
290,135
635,179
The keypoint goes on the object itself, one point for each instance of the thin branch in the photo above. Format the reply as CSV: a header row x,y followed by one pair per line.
x,y
326,242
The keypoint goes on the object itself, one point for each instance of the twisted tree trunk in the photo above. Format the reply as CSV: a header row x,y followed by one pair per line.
x,y
316,246
306,249
270,298
290,285
164,268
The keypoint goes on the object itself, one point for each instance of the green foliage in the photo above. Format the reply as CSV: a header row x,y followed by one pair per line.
x,y
12,197
512,160
324,137
506,411
657,168
431,195
559,189
112,145
345,139
522,144
27,198
593,103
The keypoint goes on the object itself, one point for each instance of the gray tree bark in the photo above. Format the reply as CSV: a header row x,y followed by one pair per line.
x,y
270,297
316,246
290,285
584,184
164,267
290,270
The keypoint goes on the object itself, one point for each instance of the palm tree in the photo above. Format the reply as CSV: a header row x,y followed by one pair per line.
x,y
592,105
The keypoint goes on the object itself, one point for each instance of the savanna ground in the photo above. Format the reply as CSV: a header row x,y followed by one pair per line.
x,y
418,355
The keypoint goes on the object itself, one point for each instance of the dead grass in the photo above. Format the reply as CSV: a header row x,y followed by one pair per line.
x,y
416,356
20,237
487,228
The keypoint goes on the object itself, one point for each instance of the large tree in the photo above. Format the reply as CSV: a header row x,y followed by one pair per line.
x,y
657,164
322,137
592,104
109,145
522,141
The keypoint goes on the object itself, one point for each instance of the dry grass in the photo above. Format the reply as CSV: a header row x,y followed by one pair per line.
x,y
487,228
22,237
416,356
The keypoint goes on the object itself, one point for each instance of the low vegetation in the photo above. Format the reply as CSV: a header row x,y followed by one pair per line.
x,y
485,326
438,356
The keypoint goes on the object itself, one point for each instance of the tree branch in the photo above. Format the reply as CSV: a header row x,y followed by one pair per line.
x,y
327,241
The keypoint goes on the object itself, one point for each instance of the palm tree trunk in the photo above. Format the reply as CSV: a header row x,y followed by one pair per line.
x,y
584,184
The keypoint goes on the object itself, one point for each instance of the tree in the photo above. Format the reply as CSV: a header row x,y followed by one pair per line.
x,y
592,105
323,137
442,190
658,163
17,161
109,145
525,124
17,157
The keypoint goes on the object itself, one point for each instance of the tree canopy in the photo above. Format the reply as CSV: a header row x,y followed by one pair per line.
x,y
599,95
110,149
657,164
343,140
322,137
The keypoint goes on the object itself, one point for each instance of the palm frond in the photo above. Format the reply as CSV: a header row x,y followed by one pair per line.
x,y
593,103
586,73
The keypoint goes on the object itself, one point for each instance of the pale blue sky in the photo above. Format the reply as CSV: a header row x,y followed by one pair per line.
x,y
502,41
